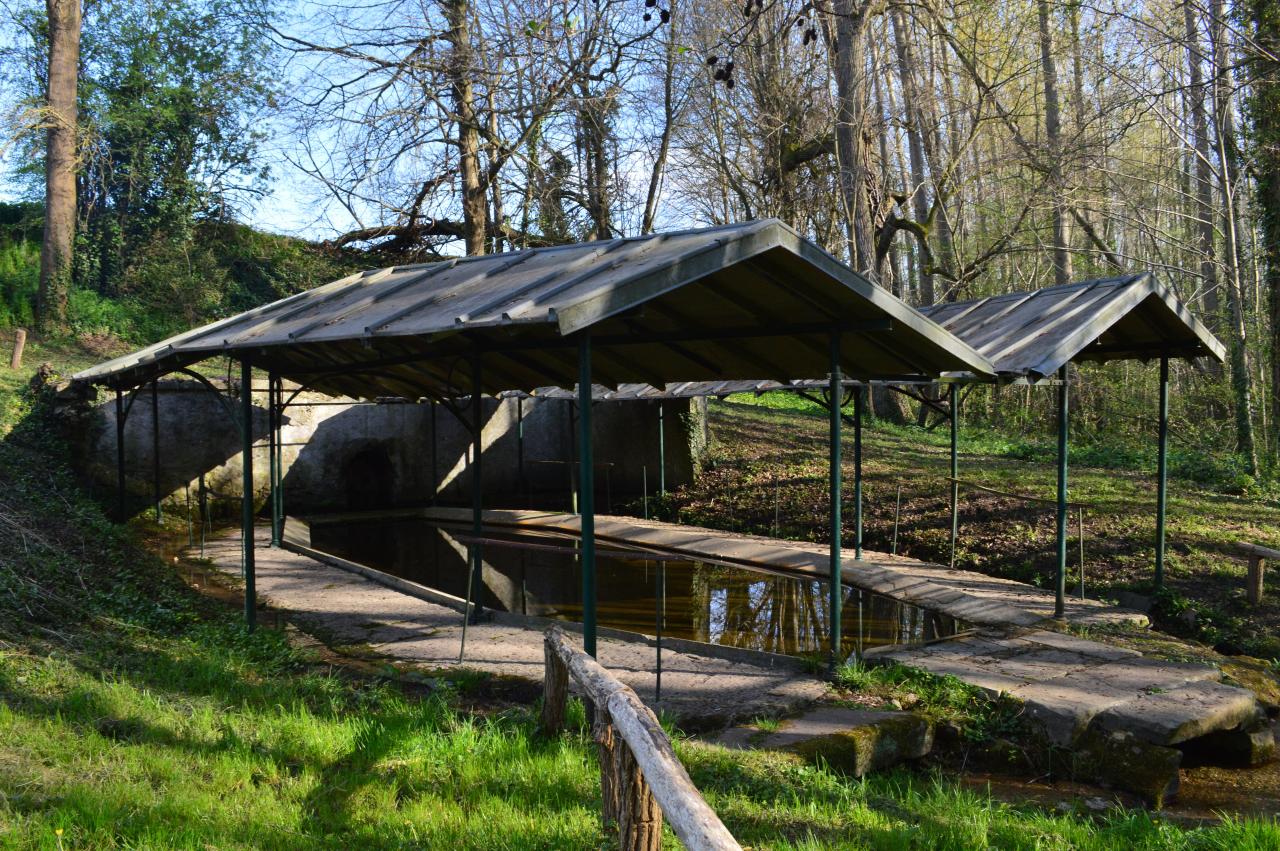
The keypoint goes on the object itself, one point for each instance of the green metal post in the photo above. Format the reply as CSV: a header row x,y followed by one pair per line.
x,y
279,504
953,395
833,465
155,448
1060,582
475,563
662,451
859,402
435,461
524,485
120,509
477,489
273,447
586,497
246,499
1162,471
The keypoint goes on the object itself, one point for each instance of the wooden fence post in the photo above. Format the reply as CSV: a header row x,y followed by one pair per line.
x,y
555,691
19,343
1258,556
642,782
1256,571
606,746
639,816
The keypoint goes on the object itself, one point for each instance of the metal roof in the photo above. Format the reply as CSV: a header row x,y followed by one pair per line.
x,y
753,300
1032,334
680,390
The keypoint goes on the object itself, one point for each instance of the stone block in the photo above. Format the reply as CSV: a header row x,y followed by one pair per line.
x,y
1075,644
1188,712
876,741
1064,707
1120,760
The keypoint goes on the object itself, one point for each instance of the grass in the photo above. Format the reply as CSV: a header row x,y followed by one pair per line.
x,y
940,698
136,713
218,740
1220,471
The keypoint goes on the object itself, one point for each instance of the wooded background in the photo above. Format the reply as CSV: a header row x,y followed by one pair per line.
x,y
947,149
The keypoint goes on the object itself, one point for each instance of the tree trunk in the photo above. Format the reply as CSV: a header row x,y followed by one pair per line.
x,y
1265,18
849,68
1062,272
668,123
1230,173
461,66
915,146
595,131
60,163
890,275
1203,170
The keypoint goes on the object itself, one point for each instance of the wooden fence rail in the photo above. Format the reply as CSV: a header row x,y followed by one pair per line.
x,y
641,779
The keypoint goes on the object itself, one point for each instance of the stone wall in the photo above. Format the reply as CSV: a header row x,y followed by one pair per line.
x,y
340,454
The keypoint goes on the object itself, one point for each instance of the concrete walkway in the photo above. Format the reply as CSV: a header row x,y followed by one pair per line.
x,y
344,608
967,596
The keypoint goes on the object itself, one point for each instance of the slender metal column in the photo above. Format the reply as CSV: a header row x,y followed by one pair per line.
x,y
660,618
155,448
246,499
435,461
273,457
475,563
859,401
662,450
586,496
1060,582
524,485
477,488
953,394
1162,471
279,503
833,464
120,508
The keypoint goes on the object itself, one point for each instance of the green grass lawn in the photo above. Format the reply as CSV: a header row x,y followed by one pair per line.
x,y
138,713
213,739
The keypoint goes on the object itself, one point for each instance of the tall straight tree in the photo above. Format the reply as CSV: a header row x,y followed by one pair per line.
x,y
1228,153
1203,166
1062,271
60,162
1264,112
461,68
849,68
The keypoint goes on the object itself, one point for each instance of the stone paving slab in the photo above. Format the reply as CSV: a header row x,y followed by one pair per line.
x,y
1065,707
345,608
1091,649
1170,717
1071,685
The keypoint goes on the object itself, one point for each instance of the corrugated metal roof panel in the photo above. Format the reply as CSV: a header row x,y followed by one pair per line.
x,y
752,299
1034,334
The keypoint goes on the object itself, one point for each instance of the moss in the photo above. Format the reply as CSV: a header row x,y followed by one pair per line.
x,y
870,747
1123,761
1257,675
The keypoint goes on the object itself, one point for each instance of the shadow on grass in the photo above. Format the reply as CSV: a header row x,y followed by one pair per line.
x,y
205,708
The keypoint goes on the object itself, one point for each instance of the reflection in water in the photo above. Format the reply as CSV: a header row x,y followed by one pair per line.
x,y
718,604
